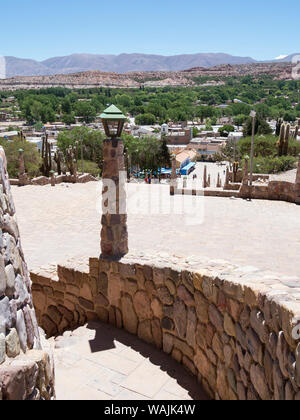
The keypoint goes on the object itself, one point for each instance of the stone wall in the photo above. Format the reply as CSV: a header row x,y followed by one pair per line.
x,y
22,361
42,180
274,190
229,326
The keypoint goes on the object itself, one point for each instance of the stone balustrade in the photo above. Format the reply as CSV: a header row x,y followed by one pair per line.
x,y
231,327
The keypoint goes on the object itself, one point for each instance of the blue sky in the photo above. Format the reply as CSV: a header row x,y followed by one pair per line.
x,y
262,29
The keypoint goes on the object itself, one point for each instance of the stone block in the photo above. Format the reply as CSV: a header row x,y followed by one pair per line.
x,y
21,329
185,296
54,314
156,332
102,283
180,318
10,280
3,276
145,331
171,286
167,324
130,286
130,319
168,342
245,317
157,308
279,391
197,281
258,324
235,309
201,305
191,327
5,315
86,304
210,290
164,296
2,348
189,364
49,326
142,306
216,318
187,281
217,346
259,382
254,346
177,355
85,291
229,326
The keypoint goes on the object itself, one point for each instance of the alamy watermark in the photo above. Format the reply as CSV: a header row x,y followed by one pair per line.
x,y
2,67
139,199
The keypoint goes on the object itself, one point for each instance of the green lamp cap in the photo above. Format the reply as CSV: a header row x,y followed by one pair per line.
x,y
112,113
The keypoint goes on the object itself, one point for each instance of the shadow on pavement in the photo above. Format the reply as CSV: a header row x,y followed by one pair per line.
x,y
105,338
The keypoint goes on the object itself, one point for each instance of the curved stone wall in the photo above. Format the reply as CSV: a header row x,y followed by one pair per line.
x,y
23,364
230,327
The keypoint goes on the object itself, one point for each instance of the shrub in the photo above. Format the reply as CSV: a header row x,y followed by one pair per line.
x,y
89,167
270,165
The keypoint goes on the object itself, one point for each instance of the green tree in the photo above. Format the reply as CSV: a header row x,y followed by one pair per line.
x,y
32,158
85,111
226,129
261,126
145,119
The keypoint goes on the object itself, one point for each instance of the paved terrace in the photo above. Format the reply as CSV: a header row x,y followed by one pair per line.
x,y
100,362
63,222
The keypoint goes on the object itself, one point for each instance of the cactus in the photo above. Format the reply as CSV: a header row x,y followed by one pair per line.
x,y
71,160
286,139
46,156
235,168
58,158
297,128
281,140
205,177
278,126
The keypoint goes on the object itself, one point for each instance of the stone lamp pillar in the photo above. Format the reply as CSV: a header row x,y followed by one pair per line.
x,y
114,235
52,178
297,185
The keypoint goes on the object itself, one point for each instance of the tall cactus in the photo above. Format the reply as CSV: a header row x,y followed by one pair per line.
x,y
46,156
281,140
278,126
286,139
58,158
297,128
71,160
205,177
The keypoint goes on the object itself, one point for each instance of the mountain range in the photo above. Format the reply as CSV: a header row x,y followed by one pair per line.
x,y
123,63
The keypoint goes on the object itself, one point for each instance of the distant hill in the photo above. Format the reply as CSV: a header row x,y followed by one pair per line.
x,y
122,63
190,77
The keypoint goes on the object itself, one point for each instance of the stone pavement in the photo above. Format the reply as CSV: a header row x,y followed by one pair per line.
x,y
63,222
100,362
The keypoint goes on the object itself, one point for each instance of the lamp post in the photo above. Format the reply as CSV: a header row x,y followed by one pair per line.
x,y
253,116
114,235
